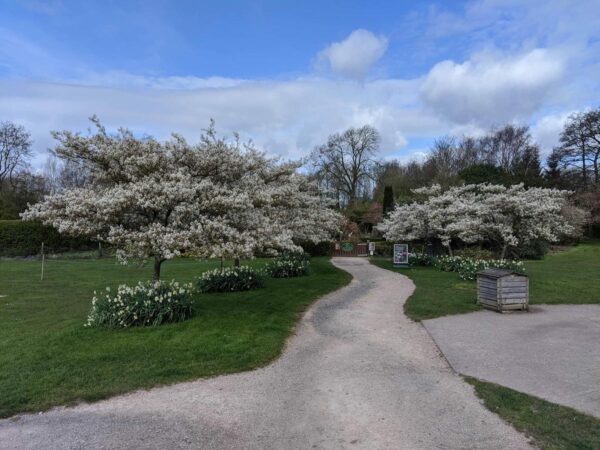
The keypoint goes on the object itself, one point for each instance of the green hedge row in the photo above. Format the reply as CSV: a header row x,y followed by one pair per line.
x,y
18,238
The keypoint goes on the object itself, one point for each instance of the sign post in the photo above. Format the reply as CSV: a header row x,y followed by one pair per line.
x,y
43,260
400,255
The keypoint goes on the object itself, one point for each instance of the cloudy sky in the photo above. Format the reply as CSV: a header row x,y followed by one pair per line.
x,y
287,73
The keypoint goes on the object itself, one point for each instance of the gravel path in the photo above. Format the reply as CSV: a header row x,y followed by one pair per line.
x,y
552,351
357,374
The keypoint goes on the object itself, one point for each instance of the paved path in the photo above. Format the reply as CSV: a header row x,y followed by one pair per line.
x,y
552,352
358,374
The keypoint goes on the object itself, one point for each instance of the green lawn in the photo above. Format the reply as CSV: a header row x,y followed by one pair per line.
x,y
48,358
550,426
570,276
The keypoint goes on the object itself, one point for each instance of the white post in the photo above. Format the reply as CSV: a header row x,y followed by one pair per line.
x,y
43,259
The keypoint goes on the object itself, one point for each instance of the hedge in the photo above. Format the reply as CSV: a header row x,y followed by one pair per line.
x,y
321,249
18,238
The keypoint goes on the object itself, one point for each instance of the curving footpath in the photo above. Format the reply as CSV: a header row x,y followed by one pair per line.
x,y
358,374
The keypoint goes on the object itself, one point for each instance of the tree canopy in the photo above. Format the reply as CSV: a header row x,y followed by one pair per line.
x,y
346,163
482,213
163,199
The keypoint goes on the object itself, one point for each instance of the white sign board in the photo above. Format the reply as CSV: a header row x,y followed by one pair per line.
x,y
400,254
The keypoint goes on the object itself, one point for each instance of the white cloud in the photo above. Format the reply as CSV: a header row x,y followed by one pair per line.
x,y
286,118
414,156
546,131
121,79
355,55
488,90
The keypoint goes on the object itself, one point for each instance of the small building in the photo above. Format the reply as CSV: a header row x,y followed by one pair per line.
x,y
502,290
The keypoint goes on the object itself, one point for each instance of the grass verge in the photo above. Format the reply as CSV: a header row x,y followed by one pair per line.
x,y
549,425
48,358
569,277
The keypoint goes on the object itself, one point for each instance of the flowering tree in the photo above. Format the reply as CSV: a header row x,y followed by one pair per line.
x,y
161,200
505,216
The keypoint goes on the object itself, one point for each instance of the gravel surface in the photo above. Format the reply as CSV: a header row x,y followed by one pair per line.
x,y
358,374
552,352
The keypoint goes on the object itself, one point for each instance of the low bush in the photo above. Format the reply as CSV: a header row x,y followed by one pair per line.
x,y
420,259
384,248
288,266
319,249
536,249
475,253
145,304
230,279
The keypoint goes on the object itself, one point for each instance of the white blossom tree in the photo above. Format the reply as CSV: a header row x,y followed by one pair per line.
x,y
158,200
504,216
513,216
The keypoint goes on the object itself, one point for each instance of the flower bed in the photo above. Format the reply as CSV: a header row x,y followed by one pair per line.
x,y
288,266
230,279
467,268
150,303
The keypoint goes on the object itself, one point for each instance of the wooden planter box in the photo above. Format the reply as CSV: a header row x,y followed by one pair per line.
x,y
502,290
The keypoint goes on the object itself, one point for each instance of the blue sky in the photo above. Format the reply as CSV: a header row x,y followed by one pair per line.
x,y
286,74
254,39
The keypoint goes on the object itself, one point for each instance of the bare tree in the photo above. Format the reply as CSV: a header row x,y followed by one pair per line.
x,y
508,147
573,150
63,173
52,174
446,159
580,146
591,125
346,163
15,150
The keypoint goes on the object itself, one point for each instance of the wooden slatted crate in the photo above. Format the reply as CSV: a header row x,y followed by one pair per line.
x,y
502,290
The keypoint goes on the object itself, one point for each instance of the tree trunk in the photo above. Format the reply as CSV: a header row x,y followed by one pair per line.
x,y
450,252
584,166
157,263
504,248
236,262
352,197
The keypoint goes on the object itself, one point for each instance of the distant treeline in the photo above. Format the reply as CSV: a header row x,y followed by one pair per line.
x,y
19,238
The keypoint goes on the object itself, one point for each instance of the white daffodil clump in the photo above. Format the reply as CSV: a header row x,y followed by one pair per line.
x,y
288,266
148,303
230,279
467,268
